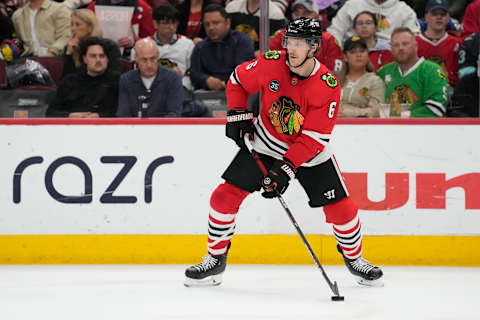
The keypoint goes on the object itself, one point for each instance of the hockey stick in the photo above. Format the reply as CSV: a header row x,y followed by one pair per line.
x,y
333,286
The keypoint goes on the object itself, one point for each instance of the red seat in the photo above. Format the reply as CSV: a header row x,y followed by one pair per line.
x,y
3,75
127,65
54,65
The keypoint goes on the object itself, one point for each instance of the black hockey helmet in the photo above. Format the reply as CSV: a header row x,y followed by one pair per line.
x,y
305,28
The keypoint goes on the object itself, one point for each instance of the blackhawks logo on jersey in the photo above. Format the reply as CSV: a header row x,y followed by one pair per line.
x,y
364,92
272,55
167,63
441,74
383,23
402,94
330,80
248,30
285,116
441,62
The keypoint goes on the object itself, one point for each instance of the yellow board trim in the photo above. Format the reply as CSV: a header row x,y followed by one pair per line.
x,y
246,249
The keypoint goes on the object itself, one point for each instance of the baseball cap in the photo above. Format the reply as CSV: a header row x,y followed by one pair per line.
x,y
310,5
353,41
436,4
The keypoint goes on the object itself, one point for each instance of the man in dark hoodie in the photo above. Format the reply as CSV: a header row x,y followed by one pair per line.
x,y
91,92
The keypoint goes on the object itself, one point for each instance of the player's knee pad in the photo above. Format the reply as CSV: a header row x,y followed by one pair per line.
x,y
341,212
227,198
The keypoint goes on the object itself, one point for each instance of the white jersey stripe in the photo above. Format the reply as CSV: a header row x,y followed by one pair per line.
x,y
267,144
320,138
436,107
234,78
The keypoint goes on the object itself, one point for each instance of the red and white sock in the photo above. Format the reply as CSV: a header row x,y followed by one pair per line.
x,y
221,227
349,237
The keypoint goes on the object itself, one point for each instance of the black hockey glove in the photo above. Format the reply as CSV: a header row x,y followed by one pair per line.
x,y
277,179
239,123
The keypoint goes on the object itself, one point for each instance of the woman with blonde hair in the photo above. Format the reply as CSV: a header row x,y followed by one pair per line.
x,y
84,24
362,90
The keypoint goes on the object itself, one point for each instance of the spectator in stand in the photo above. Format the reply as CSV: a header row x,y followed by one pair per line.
x,y
175,49
6,25
245,17
141,21
91,92
43,26
84,24
328,10
362,90
413,80
75,4
456,8
468,56
471,19
365,24
330,53
390,15
465,97
282,4
191,12
215,58
151,90
435,44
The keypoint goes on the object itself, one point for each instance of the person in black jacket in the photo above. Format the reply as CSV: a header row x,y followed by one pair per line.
x,y
91,92
215,58
84,24
190,20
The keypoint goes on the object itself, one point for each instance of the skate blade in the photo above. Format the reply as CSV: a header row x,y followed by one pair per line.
x,y
369,283
205,282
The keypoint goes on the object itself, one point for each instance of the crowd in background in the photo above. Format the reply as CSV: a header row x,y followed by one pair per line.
x,y
416,58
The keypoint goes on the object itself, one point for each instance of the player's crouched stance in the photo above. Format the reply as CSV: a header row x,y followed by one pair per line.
x,y
291,136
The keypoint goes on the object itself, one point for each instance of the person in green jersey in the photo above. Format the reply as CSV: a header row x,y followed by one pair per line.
x,y
413,81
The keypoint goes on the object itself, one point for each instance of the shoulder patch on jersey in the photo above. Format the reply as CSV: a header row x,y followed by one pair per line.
x,y
388,78
285,116
330,80
274,85
251,65
441,74
272,55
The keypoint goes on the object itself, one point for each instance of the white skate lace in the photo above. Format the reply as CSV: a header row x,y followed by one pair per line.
x,y
207,263
361,265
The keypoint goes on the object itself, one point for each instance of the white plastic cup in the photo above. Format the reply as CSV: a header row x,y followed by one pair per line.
x,y
384,110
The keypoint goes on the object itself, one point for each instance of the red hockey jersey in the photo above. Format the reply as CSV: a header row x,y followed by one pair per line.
x,y
297,115
444,52
379,58
330,54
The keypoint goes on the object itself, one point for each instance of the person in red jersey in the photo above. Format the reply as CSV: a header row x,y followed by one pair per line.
x,y
330,53
300,98
435,44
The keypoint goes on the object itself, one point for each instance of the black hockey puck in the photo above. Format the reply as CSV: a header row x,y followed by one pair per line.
x,y
338,298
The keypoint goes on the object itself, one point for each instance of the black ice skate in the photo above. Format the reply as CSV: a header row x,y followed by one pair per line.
x,y
208,272
364,272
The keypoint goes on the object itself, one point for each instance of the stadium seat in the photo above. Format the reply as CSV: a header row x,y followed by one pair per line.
x,y
29,102
3,75
54,65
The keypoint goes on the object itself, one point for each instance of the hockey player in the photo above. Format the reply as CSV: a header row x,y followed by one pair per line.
x,y
300,100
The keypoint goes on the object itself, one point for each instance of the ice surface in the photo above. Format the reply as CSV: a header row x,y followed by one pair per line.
x,y
140,292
